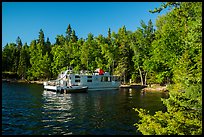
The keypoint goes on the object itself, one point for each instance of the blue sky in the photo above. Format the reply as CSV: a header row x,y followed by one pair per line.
x,y
25,19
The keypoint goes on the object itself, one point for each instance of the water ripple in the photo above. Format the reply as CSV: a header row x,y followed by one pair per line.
x,y
28,110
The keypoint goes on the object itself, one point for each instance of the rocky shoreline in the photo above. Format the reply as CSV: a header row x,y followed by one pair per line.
x,y
153,88
164,89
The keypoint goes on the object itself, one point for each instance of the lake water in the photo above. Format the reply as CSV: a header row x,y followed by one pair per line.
x,y
29,110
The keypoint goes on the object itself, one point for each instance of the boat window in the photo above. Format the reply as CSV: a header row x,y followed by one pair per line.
x,y
77,76
89,80
116,78
89,76
101,79
77,80
105,79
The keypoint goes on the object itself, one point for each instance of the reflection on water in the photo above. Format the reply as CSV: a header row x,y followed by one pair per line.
x,y
54,101
96,112
27,109
56,112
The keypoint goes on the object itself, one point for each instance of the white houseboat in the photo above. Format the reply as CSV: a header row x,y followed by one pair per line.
x,y
68,81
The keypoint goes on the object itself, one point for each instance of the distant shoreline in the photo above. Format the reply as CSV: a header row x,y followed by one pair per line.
x,y
22,81
144,88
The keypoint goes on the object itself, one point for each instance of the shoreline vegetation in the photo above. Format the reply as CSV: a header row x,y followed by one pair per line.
x,y
22,81
153,88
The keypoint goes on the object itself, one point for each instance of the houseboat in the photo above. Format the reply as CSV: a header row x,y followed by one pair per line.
x,y
83,81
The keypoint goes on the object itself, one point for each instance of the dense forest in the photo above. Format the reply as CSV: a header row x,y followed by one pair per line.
x,y
170,54
177,47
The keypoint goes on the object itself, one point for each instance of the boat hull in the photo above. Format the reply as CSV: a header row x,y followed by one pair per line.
x,y
103,88
69,89
52,88
76,90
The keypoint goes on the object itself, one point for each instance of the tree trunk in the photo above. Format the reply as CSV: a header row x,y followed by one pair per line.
x,y
141,77
110,70
145,82
124,80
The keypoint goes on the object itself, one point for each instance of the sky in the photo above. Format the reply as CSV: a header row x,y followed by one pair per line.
x,y
25,19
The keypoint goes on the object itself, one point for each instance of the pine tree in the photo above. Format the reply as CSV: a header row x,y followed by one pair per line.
x,y
23,62
74,38
68,33
41,37
109,34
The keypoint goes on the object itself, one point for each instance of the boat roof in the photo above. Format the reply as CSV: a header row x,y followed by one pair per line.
x,y
86,72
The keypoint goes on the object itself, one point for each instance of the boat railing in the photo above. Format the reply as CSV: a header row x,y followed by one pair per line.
x,y
53,83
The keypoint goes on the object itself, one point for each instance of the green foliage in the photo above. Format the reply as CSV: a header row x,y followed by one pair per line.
x,y
74,38
170,55
141,44
39,59
106,58
60,59
60,40
165,5
169,123
90,53
181,35
7,57
183,116
23,62
124,54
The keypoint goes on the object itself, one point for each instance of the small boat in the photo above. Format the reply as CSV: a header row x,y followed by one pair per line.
x,y
68,81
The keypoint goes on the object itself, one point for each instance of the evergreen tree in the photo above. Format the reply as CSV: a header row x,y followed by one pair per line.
x,y
8,57
41,37
19,43
109,34
68,33
41,42
74,38
60,40
48,46
23,62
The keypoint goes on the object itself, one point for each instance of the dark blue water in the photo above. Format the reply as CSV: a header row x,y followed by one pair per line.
x,y
29,110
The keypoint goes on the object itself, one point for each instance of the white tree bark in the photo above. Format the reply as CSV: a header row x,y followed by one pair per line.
x,y
141,77
145,83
